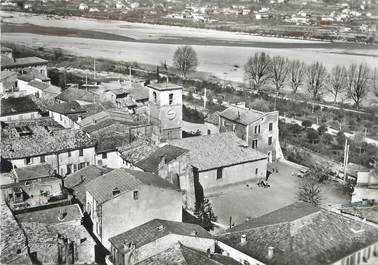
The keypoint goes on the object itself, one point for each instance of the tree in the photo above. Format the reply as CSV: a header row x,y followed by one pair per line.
x,y
205,214
256,70
322,129
309,191
312,135
185,60
374,81
357,77
340,138
337,81
278,71
296,70
316,78
306,123
327,138
261,105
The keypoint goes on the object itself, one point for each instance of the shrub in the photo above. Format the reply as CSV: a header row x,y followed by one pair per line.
x,y
306,123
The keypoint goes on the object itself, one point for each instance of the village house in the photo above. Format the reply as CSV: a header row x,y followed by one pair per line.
x,y
212,122
220,159
20,108
8,82
155,237
366,187
83,97
56,236
76,182
301,234
67,114
39,89
258,129
33,186
123,199
8,62
41,141
136,151
13,242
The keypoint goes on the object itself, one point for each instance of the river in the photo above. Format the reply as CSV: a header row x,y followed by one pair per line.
x,y
220,53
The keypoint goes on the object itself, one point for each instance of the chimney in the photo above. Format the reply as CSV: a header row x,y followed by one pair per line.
x,y
270,252
61,214
243,239
209,254
238,115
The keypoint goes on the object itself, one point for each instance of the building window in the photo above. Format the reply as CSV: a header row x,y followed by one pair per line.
x,y
270,140
256,171
171,99
135,195
254,144
219,173
256,129
27,161
81,152
154,96
271,126
27,183
104,155
42,159
116,191
69,153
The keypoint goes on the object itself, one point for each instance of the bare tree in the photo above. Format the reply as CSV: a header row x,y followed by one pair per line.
x,y
309,191
185,60
357,82
337,81
316,80
256,70
296,74
279,71
374,80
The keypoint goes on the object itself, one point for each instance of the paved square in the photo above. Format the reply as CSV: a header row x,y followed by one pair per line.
x,y
240,201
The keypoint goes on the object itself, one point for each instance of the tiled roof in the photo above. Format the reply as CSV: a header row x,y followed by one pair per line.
x,y
125,180
182,255
71,107
370,213
111,114
137,150
13,106
31,74
45,87
155,229
43,142
164,86
12,239
139,93
241,115
309,237
51,216
21,62
72,94
33,172
217,150
77,181
6,74
5,49
213,118
110,143
170,152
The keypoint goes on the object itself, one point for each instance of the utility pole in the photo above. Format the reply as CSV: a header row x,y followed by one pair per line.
x,y
86,80
204,99
94,69
346,157
130,74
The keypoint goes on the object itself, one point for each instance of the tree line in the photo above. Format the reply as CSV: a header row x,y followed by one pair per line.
x,y
262,70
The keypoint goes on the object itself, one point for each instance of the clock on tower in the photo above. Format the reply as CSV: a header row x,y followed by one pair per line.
x,y
165,108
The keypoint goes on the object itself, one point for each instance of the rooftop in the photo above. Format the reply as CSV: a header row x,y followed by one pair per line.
x,y
21,62
301,234
6,74
213,118
45,87
139,92
110,143
36,140
51,216
208,151
368,212
155,229
12,239
137,150
78,180
5,49
29,75
13,106
182,255
71,107
111,114
169,152
164,86
124,180
72,94
241,115
33,172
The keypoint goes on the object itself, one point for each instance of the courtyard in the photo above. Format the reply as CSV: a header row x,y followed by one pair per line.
x,y
247,200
